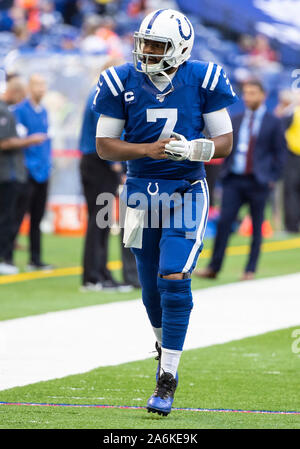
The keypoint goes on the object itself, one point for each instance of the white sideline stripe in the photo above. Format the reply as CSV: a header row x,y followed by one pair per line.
x,y
200,230
110,84
58,344
207,76
116,78
216,78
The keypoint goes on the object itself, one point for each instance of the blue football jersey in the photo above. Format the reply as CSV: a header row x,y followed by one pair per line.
x,y
38,158
199,88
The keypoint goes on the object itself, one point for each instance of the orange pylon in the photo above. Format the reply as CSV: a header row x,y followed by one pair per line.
x,y
246,228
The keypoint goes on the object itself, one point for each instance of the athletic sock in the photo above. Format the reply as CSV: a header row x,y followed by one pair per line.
x,y
169,361
158,334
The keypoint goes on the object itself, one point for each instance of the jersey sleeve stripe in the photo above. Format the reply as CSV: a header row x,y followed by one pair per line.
x,y
110,84
116,78
208,74
216,78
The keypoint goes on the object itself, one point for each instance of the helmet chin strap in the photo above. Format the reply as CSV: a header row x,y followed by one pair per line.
x,y
162,95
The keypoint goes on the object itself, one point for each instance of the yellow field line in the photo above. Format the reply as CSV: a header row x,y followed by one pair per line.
x,y
267,247
58,272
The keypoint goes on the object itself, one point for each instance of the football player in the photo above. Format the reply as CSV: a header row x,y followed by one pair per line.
x,y
164,102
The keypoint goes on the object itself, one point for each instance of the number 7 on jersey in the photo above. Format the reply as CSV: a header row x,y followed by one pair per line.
x,y
170,115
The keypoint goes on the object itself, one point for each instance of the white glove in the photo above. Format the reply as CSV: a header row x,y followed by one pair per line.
x,y
179,149
201,150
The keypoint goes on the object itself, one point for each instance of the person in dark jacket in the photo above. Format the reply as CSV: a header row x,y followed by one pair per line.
x,y
248,175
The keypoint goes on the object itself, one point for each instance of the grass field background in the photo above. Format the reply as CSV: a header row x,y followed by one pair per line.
x,y
26,298
257,373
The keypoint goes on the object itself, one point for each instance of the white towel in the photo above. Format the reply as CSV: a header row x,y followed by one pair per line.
x,y
133,228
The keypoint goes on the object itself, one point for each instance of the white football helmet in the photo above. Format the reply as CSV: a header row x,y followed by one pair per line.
x,y
170,27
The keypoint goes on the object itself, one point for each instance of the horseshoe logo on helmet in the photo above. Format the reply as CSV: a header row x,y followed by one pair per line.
x,y
180,29
156,189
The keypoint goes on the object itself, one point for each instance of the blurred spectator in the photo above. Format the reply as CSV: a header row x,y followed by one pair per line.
x,y
6,20
9,76
12,170
137,7
91,42
107,33
71,11
49,17
246,43
258,60
288,110
284,110
251,170
6,4
99,36
286,106
69,40
33,118
20,27
22,35
27,4
18,15
262,54
11,17
98,176
31,8
105,6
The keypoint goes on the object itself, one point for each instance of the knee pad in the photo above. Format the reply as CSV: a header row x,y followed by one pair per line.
x,y
176,304
175,294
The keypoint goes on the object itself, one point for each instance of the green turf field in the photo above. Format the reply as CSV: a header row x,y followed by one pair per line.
x,y
26,298
257,373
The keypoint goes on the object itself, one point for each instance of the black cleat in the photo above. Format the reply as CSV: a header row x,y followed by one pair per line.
x,y
39,266
162,399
